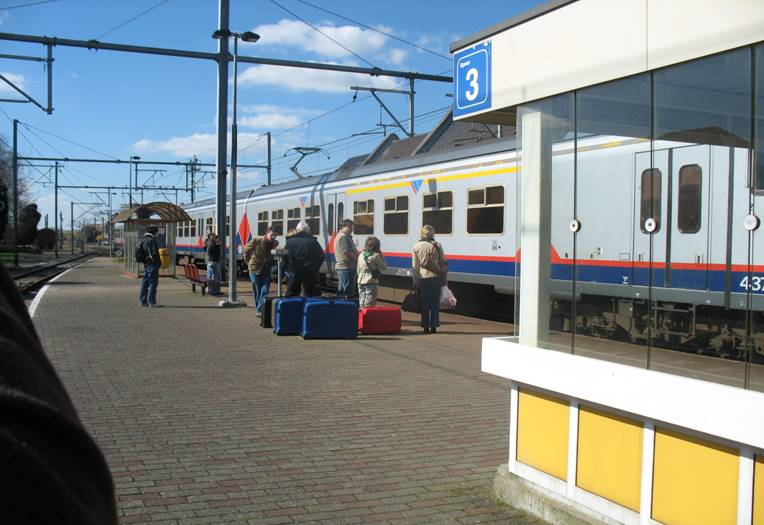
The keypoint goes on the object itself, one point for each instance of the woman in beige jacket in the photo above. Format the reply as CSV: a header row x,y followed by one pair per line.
x,y
430,271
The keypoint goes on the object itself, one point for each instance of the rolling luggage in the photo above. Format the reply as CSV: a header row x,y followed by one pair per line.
x,y
379,320
329,319
287,319
266,316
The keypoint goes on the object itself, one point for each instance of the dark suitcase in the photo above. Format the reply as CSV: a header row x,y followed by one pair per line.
x,y
329,319
266,316
379,320
288,317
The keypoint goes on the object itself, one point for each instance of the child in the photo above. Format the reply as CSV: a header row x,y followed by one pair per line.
x,y
370,265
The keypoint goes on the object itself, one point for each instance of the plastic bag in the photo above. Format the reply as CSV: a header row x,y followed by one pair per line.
x,y
447,298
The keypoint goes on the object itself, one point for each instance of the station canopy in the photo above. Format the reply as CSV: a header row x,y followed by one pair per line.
x,y
153,211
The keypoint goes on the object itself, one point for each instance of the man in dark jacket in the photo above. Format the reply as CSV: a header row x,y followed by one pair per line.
x,y
213,263
151,267
52,470
304,258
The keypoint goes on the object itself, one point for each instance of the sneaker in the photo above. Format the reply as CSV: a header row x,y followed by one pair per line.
x,y
144,304
154,305
258,314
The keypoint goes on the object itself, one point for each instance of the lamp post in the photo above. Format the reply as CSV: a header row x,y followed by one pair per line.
x,y
246,36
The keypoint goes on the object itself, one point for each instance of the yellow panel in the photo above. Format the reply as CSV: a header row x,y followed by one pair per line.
x,y
610,456
694,481
542,433
758,491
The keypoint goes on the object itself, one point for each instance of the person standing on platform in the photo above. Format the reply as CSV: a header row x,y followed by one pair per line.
x,y
257,255
370,266
430,271
346,260
151,265
304,258
213,263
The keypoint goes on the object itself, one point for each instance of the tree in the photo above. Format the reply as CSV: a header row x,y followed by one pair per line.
x,y
28,219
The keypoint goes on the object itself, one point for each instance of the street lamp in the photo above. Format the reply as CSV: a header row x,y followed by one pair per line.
x,y
246,36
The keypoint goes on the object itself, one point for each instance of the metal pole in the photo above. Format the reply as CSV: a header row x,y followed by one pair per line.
x,y
130,180
411,107
234,154
71,212
49,109
15,167
269,157
55,211
222,122
110,240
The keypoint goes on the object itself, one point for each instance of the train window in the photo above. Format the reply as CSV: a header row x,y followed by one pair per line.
x,y
262,222
293,218
330,219
363,217
485,210
227,226
340,212
277,221
688,212
396,216
650,199
209,226
193,229
437,211
313,218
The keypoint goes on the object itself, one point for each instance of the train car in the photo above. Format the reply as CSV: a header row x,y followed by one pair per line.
x,y
655,249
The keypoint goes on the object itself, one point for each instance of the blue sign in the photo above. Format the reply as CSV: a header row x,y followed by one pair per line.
x,y
472,79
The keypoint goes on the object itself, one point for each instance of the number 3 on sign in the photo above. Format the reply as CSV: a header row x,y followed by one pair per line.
x,y
472,78
756,283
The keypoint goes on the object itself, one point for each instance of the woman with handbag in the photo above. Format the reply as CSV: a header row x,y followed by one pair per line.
x,y
371,262
430,271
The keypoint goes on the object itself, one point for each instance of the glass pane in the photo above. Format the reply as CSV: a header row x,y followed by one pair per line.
x,y
396,223
755,343
340,212
390,204
438,219
610,310
485,220
330,218
279,227
363,224
476,197
494,195
370,206
261,228
402,203
429,201
702,118
650,202
688,213
291,225
445,199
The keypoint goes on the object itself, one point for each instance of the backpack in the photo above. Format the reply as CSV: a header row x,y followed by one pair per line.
x,y
141,253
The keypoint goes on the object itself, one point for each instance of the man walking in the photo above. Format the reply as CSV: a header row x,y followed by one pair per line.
x,y
151,265
257,255
346,257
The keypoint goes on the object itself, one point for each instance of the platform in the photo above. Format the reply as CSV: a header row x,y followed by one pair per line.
x,y
204,417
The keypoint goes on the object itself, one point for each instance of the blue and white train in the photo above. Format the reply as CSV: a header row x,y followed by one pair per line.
x,y
662,249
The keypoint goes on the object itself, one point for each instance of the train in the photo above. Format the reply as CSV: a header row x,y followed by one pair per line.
x,y
661,252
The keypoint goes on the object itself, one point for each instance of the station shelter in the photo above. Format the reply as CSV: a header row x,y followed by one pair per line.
x,y
637,366
164,216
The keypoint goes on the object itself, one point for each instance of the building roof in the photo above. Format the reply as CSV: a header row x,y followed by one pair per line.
x,y
166,211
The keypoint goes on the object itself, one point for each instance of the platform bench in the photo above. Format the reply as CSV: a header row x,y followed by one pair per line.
x,y
192,274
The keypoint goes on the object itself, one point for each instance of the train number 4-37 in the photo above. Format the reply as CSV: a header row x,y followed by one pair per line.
x,y
755,283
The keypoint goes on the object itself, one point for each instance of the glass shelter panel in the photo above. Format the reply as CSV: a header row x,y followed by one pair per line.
x,y
617,191
755,343
702,124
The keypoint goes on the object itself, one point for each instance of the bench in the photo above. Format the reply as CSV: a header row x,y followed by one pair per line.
x,y
192,274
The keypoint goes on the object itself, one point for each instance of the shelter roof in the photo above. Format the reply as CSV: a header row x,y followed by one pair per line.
x,y
166,211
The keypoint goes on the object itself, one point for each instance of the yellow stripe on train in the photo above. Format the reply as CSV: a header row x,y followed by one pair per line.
x,y
458,176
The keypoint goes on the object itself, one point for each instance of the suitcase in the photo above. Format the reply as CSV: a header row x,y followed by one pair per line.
x,y
379,320
266,316
329,319
287,319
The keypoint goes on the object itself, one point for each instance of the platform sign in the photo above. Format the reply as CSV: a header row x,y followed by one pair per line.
x,y
472,79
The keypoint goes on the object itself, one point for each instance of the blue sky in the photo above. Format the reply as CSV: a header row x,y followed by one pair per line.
x,y
113,105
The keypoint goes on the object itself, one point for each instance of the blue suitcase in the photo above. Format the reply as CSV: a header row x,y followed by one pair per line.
x,y
288,316
329,319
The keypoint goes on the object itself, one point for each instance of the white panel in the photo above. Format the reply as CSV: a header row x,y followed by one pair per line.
x,y
681,30
718,410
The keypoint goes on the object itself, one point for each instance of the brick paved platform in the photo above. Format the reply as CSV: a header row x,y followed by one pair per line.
x,y
204,417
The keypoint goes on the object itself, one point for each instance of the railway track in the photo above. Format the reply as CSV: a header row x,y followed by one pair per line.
x,y
30,279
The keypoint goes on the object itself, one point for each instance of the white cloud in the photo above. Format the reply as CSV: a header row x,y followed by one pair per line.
x,y
398,56
197,144
4,16
301,80
18,80
295,34
269,116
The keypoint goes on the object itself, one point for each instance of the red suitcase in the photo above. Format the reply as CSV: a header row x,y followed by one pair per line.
x,y
379,320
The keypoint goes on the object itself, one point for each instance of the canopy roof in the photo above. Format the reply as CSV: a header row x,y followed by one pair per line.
x,y
166,211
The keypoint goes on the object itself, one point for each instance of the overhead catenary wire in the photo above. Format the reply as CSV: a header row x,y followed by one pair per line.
x,y
73,142
123,24
30,4
371,28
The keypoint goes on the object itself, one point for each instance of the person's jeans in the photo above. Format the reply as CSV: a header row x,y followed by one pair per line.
x,y
261,285
430,294
347,282
367,295
213,274
150,283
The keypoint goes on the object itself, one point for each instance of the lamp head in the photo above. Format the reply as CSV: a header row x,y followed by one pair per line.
x,y
249,36
220,34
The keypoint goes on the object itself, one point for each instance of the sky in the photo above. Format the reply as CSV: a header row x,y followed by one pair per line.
x,y
113,105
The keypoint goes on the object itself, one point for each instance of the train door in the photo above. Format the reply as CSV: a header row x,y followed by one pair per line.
x,y
335,213
651,187
689,222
